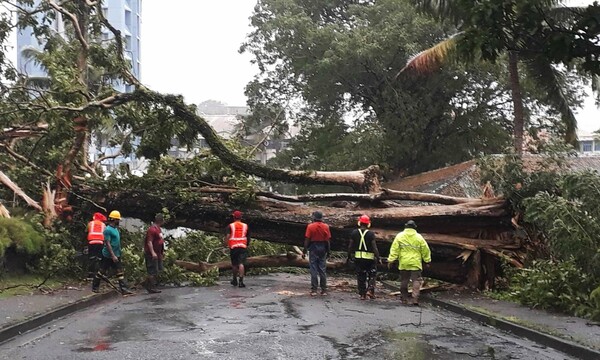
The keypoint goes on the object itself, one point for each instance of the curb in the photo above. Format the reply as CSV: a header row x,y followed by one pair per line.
x,y
563,345
24,326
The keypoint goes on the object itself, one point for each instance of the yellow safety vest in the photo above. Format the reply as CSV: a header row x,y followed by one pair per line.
x,y
360,254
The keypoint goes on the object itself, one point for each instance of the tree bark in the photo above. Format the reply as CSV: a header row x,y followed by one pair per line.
x,y
383,195
517,98
17,190
445,271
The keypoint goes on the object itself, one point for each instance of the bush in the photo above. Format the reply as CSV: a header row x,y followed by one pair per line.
x,y
20,234
556,285
561,211
194,246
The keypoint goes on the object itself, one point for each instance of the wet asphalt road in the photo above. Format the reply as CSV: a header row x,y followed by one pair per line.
x,y
273,318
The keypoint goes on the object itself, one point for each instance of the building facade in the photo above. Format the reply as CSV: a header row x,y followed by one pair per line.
x,y
589,144
124,15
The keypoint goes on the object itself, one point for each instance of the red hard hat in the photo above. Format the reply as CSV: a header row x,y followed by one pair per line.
x,y
237,214
364,219
99,216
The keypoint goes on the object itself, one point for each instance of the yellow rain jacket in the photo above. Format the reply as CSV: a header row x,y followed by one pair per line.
x,y
410,249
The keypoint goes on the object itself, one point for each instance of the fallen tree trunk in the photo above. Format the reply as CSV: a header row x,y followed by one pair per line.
x,y
383,195
439,270
466,239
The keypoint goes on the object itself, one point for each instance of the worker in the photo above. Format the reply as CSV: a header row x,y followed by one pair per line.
x,y
111,255
95,242
317,242
410,250
154,246
366,257
237,239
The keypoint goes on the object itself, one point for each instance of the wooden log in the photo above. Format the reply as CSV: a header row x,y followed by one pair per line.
x,y
447,271
383,195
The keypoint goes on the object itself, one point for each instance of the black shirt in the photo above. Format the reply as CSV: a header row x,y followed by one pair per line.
x,y
369,239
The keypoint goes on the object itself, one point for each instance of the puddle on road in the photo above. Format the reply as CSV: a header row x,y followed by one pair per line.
x,y
289,308
410,345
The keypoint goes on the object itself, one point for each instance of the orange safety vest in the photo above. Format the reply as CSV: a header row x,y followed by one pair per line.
x,y
96,232
237,235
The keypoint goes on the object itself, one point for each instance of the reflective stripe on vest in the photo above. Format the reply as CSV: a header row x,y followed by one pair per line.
x,y
96,232
360,254
237,235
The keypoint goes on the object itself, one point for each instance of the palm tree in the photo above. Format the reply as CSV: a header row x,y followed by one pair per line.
x,y
521,48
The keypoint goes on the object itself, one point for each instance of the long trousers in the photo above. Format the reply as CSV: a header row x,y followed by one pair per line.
x,y
417,280
366,272
317,258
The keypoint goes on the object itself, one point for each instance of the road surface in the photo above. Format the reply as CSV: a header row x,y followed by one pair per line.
x,y
273,318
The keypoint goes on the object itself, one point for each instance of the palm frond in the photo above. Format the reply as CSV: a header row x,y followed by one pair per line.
x,y
32,53
550,79
431,59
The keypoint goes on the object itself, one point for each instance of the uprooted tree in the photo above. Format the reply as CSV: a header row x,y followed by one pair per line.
x,y
49,124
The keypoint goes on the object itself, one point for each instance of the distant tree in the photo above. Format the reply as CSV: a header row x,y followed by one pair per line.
x,y
339,59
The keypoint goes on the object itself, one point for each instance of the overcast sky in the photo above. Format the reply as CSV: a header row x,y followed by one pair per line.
x,y
191,48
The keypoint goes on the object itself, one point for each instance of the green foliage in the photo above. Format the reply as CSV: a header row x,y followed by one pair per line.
x,y
348,72
570,219
194,246
58,261
563,209
20,234
556,285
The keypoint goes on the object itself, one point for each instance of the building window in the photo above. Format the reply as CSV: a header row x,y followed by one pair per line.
x,y
128,43
128,18
597,145
586,146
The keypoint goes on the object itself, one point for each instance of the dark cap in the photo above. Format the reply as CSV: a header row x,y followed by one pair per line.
x,y
317,215
410,224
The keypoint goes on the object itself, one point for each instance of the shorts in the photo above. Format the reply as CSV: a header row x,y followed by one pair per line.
x,y
95,251
238,256
153,267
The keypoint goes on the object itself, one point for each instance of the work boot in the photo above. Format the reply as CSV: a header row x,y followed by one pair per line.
x,y
234,281
96,284
150,285
124,288
241,283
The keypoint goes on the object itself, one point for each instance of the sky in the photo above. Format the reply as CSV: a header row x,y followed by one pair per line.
x,y
191,48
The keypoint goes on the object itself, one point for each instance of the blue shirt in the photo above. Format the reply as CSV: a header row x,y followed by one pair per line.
x,y
112,235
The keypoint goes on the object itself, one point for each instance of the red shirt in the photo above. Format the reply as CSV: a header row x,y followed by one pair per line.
x,y
318,231
154,234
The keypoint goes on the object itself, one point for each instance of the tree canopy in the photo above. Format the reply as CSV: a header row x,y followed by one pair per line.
x,y
339,60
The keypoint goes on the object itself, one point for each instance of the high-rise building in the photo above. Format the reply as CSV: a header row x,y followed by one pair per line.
x,y
124,15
